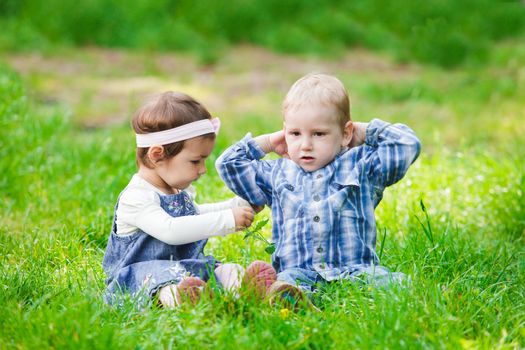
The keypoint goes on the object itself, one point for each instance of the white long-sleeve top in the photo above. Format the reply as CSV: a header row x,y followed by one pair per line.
x,y
139,208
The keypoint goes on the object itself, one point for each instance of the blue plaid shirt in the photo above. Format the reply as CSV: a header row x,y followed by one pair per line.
x,y
323,220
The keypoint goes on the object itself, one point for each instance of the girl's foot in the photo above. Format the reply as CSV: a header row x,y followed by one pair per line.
x,y
188,290
230,276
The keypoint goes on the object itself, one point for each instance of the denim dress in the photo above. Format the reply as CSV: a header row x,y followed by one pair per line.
x,y
140,264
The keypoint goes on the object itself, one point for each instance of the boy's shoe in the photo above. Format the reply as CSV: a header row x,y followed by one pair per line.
x,y
289,296
189,290
258,278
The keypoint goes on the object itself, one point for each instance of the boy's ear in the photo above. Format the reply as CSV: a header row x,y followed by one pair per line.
x,y
348,132
155,153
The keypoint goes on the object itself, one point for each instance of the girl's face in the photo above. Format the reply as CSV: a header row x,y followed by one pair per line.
x,y
179,172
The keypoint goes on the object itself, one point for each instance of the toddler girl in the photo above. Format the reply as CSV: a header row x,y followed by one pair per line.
x,y
156,244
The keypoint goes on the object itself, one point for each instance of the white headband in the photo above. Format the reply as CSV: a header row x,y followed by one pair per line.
x,y
184,132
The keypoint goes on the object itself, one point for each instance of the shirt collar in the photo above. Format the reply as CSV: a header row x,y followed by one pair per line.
x,y
341,177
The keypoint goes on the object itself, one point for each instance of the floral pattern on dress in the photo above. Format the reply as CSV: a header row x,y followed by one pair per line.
x,y
179,205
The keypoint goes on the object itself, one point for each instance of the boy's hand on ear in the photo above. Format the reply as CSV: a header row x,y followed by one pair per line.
x,y
278,143
243,217
359,134
274,142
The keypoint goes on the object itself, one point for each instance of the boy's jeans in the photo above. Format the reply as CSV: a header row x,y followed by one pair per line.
x,y
378,276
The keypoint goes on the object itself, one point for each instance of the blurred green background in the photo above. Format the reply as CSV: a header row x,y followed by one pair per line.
x,y
441,32
73,72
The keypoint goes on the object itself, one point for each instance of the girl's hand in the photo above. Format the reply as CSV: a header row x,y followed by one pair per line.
x,y
278,143
243,217
257,208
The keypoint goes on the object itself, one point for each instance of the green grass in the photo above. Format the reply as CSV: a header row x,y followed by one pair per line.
x,y
464,251
445,33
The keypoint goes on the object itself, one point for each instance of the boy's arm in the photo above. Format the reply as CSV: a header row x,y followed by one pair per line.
x,y
395,147
243,171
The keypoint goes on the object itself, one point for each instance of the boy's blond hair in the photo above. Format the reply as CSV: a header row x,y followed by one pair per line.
x,y
319,88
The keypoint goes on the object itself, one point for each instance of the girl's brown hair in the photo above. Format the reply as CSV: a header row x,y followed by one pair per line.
x,y
167,111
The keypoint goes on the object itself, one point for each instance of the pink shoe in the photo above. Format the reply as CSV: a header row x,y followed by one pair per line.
x,y
189,290
259,276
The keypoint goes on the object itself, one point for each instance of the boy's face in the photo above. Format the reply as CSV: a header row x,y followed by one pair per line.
x,y
314,136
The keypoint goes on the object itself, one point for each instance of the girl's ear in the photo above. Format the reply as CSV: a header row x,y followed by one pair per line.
x,y
348,132
155,153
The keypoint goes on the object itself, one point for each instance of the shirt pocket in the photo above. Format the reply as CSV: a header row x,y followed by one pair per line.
x,y
290,199
343,197
350,216
348,213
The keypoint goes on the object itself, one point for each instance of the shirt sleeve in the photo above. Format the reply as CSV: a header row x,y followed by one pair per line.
x,y
243,171
142,210
394,148
213,207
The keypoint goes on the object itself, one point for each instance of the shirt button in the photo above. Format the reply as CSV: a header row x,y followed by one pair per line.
x,y
317,198
319,249
317,218
289,187
319,176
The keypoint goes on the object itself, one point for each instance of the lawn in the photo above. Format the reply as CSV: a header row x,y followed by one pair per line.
x,y
455,223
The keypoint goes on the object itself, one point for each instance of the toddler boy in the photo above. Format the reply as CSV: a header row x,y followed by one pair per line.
x,y
324,189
